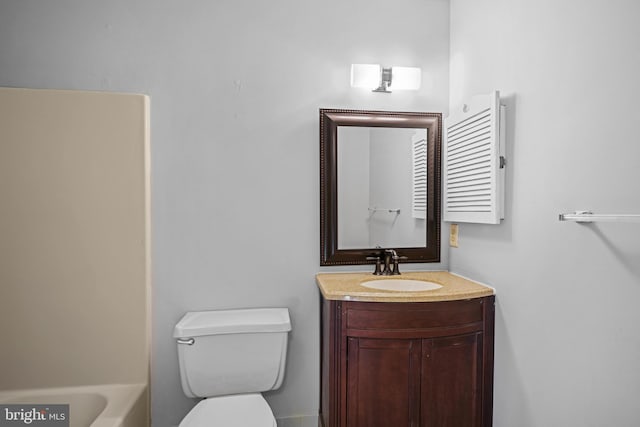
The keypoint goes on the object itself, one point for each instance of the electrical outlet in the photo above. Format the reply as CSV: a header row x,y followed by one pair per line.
x,y
453,235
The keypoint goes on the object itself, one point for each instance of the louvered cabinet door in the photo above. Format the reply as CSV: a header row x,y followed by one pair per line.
x,y
473,162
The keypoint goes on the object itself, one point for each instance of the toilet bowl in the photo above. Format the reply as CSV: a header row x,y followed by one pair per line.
x,y
229,357
240,410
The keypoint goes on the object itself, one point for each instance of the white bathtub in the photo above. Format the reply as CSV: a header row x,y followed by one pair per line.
x,y
113,405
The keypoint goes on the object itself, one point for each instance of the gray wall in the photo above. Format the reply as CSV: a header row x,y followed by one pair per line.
x,y
567,340
235,89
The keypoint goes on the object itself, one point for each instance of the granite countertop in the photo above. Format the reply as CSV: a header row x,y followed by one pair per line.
x,y
347,287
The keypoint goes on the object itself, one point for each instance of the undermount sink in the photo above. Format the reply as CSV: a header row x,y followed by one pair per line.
x,y
403,285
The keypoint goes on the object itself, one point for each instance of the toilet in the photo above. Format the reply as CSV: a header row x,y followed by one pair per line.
x,y
228,358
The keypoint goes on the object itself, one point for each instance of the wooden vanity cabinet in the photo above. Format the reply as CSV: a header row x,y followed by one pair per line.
x,y
426,364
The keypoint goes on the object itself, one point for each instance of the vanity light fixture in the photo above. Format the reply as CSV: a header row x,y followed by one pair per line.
x,y
380,79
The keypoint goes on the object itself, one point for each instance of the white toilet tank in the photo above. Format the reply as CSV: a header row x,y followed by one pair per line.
x,y
232,351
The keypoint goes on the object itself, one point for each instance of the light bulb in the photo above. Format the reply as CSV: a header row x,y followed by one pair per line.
x,y
405,78
365,75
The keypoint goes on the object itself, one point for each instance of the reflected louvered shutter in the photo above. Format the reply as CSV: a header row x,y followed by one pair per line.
x,y
474,162
419,197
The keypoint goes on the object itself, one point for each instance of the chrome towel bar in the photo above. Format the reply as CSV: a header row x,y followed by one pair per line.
x,y
588,216
377,209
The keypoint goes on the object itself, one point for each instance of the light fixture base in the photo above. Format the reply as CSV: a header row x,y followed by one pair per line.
x,y
385,81
380,78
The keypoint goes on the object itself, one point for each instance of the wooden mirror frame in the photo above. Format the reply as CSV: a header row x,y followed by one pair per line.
x,y
330,119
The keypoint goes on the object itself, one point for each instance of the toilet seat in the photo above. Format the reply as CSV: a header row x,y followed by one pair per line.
x,y
241,410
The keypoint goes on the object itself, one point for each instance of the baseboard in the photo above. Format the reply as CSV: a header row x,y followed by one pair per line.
x,y
301,421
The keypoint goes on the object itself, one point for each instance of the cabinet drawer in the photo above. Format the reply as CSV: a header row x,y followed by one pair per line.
x,y
411,316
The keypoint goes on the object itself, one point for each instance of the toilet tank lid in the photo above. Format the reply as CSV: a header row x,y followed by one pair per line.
x,y
199,323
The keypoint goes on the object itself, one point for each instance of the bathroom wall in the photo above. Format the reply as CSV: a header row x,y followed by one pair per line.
x,y
567,342
235,88
74,253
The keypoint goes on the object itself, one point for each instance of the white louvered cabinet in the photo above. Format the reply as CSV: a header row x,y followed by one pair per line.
x,y
474,161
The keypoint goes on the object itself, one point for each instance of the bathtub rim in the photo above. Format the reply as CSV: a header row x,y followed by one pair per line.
x,y
120,398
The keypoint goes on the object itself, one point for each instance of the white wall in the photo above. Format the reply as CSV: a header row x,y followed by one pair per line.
x,y
235,89
567,341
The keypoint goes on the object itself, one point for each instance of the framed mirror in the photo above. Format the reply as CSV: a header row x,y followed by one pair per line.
x,y
379,185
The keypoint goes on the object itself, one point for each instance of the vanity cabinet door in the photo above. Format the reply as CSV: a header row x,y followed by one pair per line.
x,y
383,382
452,381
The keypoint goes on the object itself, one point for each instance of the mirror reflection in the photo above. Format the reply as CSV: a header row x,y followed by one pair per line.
x,y
381,187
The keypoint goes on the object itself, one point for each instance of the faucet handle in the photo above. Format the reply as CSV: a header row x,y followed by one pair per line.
x,y
395,270
378,259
